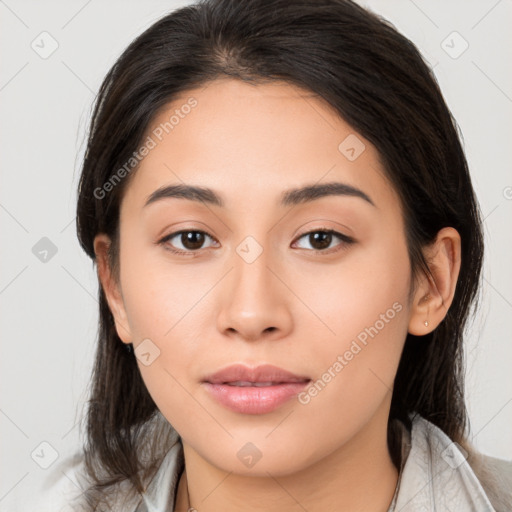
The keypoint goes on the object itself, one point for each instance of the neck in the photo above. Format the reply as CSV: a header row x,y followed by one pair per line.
x,y
359,476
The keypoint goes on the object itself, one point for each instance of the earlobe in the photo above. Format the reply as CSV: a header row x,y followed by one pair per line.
x,y
434,294
111,287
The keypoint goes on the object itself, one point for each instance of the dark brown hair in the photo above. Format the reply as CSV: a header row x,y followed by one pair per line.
x,y
377,81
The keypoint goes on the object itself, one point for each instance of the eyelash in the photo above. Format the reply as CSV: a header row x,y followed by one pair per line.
x,y
346,241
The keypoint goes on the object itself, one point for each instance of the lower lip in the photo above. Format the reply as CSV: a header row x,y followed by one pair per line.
x,y
254,400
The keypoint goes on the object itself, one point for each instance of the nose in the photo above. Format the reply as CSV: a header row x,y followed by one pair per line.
x,y
255,302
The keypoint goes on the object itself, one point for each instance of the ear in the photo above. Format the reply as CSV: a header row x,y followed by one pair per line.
x,y
111,287
433,297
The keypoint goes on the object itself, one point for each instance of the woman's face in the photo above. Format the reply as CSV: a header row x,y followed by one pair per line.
x,y
257,283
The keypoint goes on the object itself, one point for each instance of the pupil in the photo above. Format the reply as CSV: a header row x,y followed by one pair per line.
x,y
322,237
192,239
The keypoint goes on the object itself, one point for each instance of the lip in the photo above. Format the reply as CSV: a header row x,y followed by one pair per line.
x,y
254,399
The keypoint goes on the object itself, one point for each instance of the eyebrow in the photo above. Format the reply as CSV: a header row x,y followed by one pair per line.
x,y
289,197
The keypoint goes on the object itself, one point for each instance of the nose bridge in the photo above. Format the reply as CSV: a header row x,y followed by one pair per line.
x,y
251,273
254,300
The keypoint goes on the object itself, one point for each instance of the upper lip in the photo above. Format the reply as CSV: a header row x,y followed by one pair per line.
x,y
262,373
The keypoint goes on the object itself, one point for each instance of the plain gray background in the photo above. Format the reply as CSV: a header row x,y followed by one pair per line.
x,y
49,308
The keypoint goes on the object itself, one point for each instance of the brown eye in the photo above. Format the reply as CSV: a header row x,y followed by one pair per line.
x,y
185,241
321,239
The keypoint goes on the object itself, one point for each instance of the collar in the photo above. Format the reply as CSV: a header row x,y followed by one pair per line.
x,y
436,474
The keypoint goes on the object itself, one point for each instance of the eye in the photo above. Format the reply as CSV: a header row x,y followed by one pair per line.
x,y
191,241
321,240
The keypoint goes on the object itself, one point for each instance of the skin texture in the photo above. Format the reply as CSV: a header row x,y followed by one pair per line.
x,y
250,143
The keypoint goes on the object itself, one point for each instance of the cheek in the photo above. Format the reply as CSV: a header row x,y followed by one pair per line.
x,y
352,294
364,310
163,306
158,296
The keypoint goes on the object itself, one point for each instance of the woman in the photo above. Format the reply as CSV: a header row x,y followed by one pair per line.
x,y
288,246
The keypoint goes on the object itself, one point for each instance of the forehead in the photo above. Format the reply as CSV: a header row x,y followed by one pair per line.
x,y
251,142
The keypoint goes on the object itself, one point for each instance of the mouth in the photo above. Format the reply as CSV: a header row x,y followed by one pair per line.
x,y
257,390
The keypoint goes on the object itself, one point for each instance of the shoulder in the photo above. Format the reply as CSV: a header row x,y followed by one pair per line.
x,y
495,476
58,490
501,468
439,474
63,489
